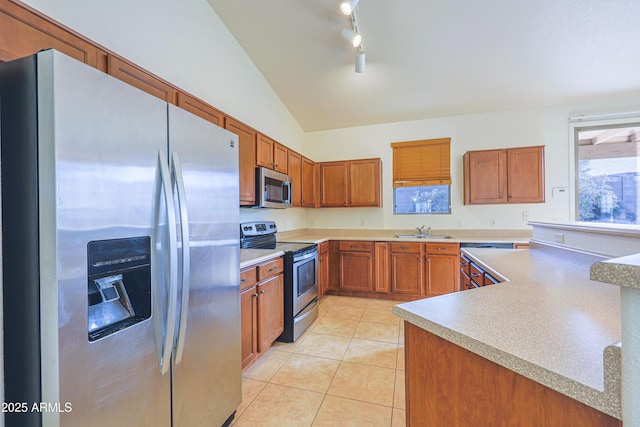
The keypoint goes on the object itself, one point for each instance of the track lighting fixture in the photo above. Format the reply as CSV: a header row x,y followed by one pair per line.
x,y
360,61
352,36
348,6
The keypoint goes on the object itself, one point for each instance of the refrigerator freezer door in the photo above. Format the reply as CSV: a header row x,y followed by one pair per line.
x,y
98,145
207,380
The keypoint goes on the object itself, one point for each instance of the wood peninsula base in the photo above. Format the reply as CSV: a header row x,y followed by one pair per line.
x,y
447,385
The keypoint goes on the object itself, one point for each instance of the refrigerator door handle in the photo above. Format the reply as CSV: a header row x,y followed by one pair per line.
x,y
178,180
165,332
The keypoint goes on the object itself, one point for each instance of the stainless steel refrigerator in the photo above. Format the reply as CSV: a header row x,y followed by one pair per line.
x,y
120,253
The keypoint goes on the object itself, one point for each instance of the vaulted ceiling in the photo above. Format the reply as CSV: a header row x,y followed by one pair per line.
x,y
433,58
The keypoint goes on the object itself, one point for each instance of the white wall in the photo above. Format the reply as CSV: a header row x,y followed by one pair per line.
x,y
515,128
185,43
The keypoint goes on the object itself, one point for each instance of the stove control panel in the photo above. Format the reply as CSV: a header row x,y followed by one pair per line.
x,y
259,228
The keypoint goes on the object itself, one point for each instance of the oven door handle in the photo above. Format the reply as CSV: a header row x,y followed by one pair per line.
x,y
306,256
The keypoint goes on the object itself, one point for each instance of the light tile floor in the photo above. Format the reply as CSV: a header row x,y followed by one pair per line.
x,y
347,369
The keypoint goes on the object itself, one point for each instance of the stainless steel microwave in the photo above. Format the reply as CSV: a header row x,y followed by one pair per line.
x,y
273,189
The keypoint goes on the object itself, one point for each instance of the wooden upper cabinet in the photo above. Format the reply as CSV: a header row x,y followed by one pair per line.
x,y
270,154
514,175
525,172
333,184
24,31
308,183
200,109
247,159
142,79
364,182
485,177
295,171
352,183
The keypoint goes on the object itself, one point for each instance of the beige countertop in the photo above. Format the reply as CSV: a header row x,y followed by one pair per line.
x,y
250,257
456,235
548,322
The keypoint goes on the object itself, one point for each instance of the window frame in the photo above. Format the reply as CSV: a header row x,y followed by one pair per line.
x,y
582,123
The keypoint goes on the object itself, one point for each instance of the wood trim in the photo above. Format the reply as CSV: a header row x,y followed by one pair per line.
x,y
200,108
140,78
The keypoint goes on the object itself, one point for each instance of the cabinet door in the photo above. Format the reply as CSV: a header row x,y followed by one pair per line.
x,y
264,152
442,274
280,157
270,311
308,183
143,80
323,273
247,159
356,271
525,175
382,266
333,184
485,177
295,171
200,109
248,299
364,183
407,273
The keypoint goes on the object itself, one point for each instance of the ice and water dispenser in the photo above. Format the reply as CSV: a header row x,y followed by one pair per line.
x,y
119,285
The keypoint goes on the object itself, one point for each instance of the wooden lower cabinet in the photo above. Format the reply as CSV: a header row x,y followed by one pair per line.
x,y
407,269
442,268
447,385
356,269
323,269
382,260
261,308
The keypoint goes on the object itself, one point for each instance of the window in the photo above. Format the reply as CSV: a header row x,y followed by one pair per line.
x,y
422,177
608,173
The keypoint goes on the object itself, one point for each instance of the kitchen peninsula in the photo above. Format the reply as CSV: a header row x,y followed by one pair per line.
x,y
544,345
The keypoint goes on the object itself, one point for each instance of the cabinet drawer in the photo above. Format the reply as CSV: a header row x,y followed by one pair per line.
x,y
476,274
248,278
442,248
356,246
406,247
270,269
465,264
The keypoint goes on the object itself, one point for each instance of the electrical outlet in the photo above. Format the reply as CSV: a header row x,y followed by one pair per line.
x,y
492,222
559,238
525,215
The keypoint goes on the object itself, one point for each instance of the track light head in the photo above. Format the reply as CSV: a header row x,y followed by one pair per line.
x,y
360,61
347,6
352,36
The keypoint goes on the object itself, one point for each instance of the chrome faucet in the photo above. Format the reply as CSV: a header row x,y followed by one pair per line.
x,y
421,230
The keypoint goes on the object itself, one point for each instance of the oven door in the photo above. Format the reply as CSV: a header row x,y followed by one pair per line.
x,y
305,280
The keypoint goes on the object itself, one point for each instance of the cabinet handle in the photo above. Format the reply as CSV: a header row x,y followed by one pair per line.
x,y
405,247
244,279
476,275
273,268
345,203
441,249
262,291
255,295
464,264
354,246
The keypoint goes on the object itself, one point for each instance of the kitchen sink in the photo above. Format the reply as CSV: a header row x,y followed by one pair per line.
x,y
420,236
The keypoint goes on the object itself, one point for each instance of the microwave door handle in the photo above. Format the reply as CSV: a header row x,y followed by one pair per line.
x,y
286,191
178,181
165,333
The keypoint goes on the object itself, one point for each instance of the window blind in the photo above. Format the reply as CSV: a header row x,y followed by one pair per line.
x,y
424,162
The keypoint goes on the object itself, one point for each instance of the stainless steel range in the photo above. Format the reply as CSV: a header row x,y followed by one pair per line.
x,y
300,275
